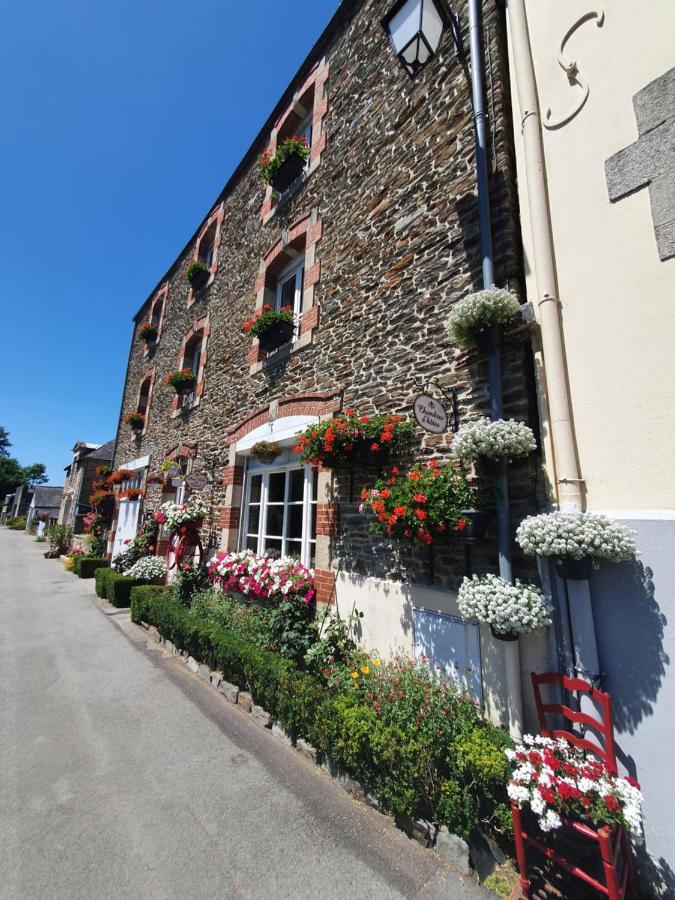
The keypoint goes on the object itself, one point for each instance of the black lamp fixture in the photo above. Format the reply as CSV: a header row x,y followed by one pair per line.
x,y
415,28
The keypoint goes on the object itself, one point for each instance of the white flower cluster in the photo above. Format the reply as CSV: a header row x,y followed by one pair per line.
x,y
506,607
555,778
148,568
575,535
503,439
479,311
174,514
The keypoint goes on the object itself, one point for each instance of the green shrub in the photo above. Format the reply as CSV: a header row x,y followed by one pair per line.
x,y
77,561
101,577
189,581
89,564
17,523
118,589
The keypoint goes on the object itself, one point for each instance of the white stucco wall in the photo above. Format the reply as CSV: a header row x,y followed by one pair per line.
x,y
617,296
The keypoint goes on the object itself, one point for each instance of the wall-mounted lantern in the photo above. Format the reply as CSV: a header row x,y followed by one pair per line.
x,y
415,28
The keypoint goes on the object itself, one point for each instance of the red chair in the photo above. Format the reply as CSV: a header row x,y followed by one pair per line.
x,y
615,851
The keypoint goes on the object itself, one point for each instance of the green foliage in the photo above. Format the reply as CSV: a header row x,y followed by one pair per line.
x,y
75,564
270,163
96,545
247,621
334,442
336,645
293,628
265,319
194,269
11,475
59,537
17,523
34,474
143,544
189,581
101,577
89,565
118,588
4,441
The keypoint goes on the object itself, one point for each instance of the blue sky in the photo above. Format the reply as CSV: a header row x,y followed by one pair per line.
x,y
105,172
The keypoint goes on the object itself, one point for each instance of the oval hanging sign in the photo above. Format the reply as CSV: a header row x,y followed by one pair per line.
x,y
430,414
196,481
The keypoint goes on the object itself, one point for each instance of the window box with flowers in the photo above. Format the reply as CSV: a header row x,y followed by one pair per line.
x,y
349,438
423,506
478,318
576,541
136,421
148,333
262,577
183,381
131,494
281,168
509,609
273,329
265,451
197,274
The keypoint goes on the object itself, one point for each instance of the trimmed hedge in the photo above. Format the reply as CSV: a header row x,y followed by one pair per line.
x,y
463,787
75,565
89,564
101,577
118,588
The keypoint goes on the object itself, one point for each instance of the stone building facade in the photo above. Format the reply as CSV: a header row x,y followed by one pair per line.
x,y
79,482
381,236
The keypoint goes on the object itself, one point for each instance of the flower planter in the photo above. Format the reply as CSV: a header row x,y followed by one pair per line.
x,y
290,169
477,521
199,279
275,336
185,387
138,427
265,458
504,635
488,339
574,569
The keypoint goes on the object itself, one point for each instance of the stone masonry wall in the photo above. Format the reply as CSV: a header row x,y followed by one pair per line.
x,y
399,244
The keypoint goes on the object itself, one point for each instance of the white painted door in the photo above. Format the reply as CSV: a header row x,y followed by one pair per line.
x,y
453,645
127,525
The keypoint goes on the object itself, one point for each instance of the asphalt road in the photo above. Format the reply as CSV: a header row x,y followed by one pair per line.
x,y
124,775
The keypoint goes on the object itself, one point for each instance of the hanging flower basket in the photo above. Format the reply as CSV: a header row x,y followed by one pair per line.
x,y
265,451
472,524
273,329
197,274
189,515
479,317
182,381
504,635
350,439
281,168
509,609
487,440
148,333
576,537
136,421
574,569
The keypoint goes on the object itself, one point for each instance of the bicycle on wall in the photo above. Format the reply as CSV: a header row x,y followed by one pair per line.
x,y
185,548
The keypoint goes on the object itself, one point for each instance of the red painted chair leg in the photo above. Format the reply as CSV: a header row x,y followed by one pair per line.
x,y
521,855
612,882
627,851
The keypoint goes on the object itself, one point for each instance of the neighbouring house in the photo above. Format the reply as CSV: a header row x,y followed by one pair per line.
x,y
606,88
78,486
45,504
20,501
368,248
7,506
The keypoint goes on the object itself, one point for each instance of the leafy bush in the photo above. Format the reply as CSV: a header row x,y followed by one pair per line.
x,y
17,523
101,577
422,748
188,582
118,589
88,566
96,546
293,628
59,537
76,562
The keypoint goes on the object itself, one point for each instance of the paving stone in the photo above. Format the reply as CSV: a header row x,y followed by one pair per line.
x,y
244,700
261,716
453,849
204,673
216,679
306,750
230,692
192,664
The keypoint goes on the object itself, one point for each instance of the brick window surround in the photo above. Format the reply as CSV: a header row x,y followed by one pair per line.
x,y
301,236
201,327
309,98
156,314
210,229
145,389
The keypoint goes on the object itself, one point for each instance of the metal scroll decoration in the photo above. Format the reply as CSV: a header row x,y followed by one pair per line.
x,y
574,76
431,413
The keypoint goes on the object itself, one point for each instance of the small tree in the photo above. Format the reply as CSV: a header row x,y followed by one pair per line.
x,y
34,475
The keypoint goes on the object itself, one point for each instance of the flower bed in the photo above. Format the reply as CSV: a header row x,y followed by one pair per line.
x,y
479,312
509,609
576,535
556,779
503,439
421,506
262,578
338,441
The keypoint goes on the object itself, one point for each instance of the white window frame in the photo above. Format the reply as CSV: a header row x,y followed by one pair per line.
x,y
308,501
195,363
294,269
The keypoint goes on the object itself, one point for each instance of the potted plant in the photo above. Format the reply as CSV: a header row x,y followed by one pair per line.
x,y
575,541
422,506
182,515
148,333
509,609
273,329
558,780
169,468
281,168
131,494
265,451
136,420
350,438
495,441
183,381
197,274
478,318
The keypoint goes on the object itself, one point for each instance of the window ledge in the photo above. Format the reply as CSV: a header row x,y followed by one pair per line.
x,y
184,410
292,191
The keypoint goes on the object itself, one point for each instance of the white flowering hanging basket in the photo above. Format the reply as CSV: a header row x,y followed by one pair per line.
x,y
484,439
509,609
574,540
473,319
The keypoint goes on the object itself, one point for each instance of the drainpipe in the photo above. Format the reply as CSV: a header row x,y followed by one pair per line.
x,y
567,475
511,651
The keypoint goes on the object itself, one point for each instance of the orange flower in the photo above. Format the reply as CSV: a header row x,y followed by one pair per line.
x,y
420,514
385,493
420,498
364,419
364,494
400,510
414,476
425,536
393,520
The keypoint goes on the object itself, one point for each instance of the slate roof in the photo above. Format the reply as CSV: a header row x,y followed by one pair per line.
x,y
47,497
105,451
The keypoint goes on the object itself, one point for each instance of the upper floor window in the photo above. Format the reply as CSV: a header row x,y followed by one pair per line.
x,y
157,310
144,396
289,288
192,359
207,245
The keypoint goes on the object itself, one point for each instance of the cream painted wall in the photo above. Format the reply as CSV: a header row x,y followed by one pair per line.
x,y
387,627
618,297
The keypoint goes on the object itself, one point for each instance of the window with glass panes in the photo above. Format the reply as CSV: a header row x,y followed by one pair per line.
x,y
289,288
280,512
